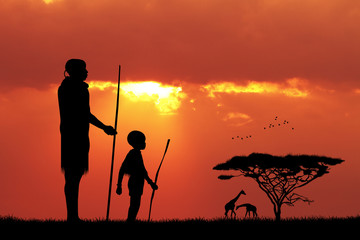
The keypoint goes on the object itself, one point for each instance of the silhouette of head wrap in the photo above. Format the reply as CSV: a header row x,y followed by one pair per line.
x,y
73,64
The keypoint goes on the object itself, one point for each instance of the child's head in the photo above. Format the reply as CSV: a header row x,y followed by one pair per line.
x,y
137,140
76,68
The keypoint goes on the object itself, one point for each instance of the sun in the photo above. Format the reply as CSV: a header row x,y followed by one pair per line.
x,y
166,98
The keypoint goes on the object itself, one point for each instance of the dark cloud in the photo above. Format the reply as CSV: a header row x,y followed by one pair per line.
x,y
195,41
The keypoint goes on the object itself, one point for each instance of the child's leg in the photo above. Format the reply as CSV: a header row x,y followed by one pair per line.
x,y
134,207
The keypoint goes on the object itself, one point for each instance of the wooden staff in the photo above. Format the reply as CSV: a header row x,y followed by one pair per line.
x,y
113,148
156,177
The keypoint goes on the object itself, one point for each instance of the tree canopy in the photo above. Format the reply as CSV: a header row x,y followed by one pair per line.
x,y
279,176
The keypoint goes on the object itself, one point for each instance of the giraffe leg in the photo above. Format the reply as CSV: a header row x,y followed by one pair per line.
x,y
233,212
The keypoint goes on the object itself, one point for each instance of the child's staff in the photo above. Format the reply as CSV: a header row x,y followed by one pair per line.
x,y
156,177
113,148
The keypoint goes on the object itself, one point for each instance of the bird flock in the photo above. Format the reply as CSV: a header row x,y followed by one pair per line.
x,y
278,123
242,138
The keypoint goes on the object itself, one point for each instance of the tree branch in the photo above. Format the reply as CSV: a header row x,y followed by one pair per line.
x,y
296,197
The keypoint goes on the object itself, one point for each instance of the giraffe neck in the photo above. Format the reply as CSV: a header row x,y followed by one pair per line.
x,y
237,197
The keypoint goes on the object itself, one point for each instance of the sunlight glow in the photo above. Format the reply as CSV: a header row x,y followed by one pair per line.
x,y
291,88
357,91
167,98
102,85
48,2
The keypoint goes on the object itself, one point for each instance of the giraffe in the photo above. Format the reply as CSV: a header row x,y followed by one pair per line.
x,y
230,206
249,208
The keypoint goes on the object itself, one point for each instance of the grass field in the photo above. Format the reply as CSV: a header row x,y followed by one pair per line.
x,y
305,227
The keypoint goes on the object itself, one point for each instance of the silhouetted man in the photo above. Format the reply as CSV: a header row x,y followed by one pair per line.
x,y
75,117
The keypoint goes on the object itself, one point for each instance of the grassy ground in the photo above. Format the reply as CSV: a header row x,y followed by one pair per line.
x,y
193,228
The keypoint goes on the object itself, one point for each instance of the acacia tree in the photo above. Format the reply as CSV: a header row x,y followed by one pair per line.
x,y
279,176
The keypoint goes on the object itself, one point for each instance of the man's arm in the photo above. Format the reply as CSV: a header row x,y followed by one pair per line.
x,y
109,130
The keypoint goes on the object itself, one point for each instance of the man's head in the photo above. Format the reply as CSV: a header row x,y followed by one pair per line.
x,y
76,68
137,140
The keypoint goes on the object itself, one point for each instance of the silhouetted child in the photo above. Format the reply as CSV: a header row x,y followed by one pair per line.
x,y
133,165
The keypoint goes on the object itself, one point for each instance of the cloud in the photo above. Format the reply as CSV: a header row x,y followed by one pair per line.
x,y
234,115
192,41
292,88
237,119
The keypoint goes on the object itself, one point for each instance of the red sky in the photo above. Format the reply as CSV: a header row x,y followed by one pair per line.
x,y
219,69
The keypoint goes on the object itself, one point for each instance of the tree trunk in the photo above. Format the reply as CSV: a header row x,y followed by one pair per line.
x,y
277,211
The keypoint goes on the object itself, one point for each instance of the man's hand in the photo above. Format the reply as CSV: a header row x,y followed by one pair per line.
x,y
109,130
154,186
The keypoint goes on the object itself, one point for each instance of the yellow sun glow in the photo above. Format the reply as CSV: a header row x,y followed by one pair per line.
x,y
167,98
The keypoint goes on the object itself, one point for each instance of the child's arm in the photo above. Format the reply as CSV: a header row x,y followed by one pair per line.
x,y
120,178
147,178
152,184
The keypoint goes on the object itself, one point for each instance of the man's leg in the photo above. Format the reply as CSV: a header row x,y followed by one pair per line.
x,y
71,189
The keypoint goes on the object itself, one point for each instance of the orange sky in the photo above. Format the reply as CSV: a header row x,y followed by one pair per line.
x,y
197,72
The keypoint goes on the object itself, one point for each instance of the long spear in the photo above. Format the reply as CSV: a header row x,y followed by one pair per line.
x,y
156,177
113,148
